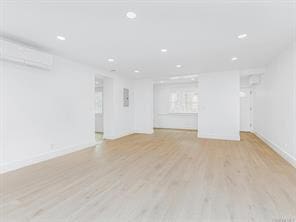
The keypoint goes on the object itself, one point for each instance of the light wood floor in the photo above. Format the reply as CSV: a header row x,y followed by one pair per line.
x,y
168,176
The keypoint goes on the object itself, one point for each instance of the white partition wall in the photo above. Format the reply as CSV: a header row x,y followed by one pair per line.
x,y
143,100
219,105
118,119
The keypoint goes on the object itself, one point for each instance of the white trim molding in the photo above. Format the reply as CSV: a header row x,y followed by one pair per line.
x,y
144,131
6,167
288,157
218,137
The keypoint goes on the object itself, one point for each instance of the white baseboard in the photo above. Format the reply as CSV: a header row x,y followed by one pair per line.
x,y
218,137
114,137
288,157
6,167
145,131
175,128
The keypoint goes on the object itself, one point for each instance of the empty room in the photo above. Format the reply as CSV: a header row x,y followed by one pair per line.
x,y
147,111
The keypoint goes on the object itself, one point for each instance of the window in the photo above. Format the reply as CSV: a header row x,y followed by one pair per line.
x,y
99,102
183,101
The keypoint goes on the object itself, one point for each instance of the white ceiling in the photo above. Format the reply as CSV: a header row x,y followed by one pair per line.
x,y
201,36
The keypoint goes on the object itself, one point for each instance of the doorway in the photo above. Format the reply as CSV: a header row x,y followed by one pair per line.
x,y
245,110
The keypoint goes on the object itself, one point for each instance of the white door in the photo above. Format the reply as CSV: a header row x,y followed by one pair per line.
x,y
245,110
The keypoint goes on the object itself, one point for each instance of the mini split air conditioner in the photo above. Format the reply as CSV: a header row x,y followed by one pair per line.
x,y
13,52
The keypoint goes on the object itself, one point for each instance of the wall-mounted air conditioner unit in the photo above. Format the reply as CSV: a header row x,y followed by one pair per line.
x,y
13,52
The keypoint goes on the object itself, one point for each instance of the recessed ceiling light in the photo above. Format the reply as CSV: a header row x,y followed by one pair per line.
x,y
161,81
110,60
178,66
59,37
136,71
131,15
242,36
163,50
234,58
193,79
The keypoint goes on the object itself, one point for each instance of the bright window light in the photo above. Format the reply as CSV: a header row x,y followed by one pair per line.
x,y
62,38
131,15
242,94
242,36
183,101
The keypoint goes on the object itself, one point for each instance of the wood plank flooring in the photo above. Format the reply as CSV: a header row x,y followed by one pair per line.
x,y
169,176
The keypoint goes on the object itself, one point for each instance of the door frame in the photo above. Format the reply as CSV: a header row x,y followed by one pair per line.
x,y
251,94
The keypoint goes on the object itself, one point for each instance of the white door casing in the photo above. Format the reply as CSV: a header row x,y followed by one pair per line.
x,y
245,110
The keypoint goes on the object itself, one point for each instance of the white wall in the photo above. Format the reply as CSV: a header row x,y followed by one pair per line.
x,y
143,98
124,118
162,117
45,113
219,105
118,120
275,105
